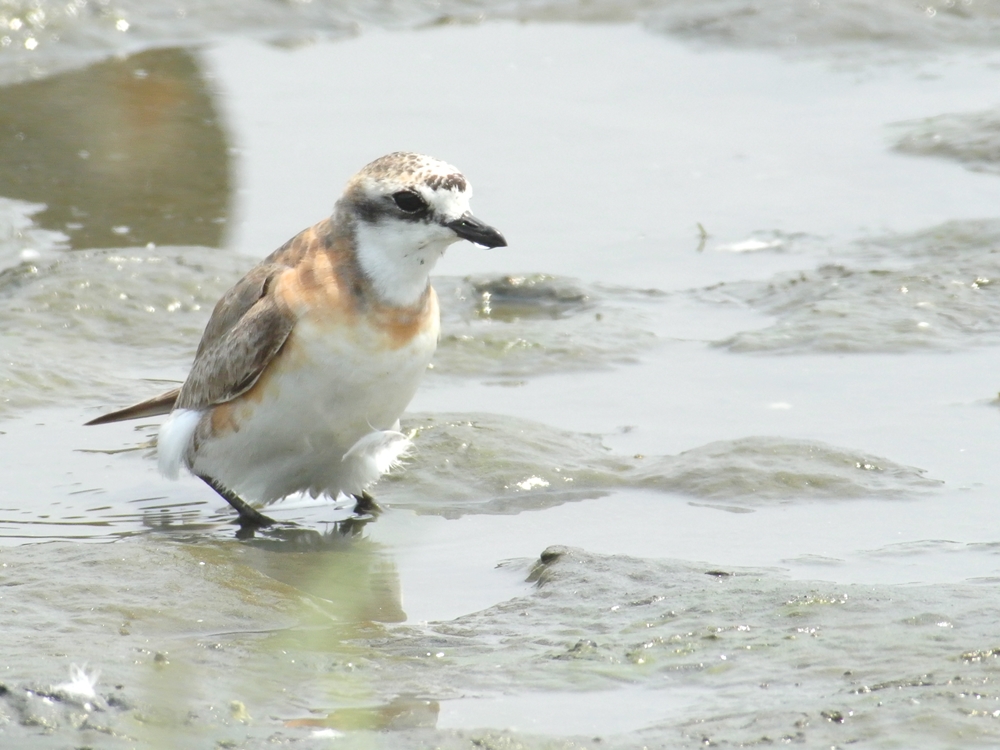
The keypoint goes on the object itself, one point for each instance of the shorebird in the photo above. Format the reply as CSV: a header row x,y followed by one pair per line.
x,y
307,363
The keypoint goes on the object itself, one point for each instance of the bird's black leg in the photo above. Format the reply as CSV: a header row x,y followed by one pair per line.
x,y
366,504
249,516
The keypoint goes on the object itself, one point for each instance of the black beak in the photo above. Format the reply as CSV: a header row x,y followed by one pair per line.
x,y
468,227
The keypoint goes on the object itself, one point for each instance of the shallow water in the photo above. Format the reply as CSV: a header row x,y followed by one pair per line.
x,y
705,456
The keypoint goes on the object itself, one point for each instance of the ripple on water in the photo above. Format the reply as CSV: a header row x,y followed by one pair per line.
x,y
971,138
495,464
49,35
516,326
21,239
930,289
142,309
859,25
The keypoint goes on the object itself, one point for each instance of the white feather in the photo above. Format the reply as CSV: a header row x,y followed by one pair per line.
x,y
300,500
375,454
174,441
81,682
399,256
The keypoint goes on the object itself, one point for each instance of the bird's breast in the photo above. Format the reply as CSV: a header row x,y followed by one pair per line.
x,y
339,373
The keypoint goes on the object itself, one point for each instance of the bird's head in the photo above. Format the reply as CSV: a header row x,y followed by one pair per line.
x,y
404,210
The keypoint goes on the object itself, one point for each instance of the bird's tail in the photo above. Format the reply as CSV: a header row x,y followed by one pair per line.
x,y
151,407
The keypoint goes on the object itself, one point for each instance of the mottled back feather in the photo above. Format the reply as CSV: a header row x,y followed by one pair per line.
x,y
236,302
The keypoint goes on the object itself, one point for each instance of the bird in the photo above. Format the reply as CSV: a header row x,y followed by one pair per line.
x,y
308,361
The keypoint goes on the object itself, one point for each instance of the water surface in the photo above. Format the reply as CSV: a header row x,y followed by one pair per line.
x,y
705,456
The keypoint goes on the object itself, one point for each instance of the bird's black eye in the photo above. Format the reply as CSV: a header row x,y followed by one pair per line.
x,y
409,201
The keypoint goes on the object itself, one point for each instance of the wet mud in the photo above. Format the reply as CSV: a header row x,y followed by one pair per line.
x,y
876,301
267,660
705,456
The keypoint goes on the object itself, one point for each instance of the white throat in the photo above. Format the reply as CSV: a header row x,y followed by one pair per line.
x,y
398,257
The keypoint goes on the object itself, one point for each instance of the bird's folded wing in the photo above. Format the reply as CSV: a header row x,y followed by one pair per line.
x,y
246,330
236,303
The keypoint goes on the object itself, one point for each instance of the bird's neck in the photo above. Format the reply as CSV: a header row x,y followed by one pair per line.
x,y
397,260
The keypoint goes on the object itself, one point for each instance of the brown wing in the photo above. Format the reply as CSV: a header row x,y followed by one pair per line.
x,y
236,303
246,330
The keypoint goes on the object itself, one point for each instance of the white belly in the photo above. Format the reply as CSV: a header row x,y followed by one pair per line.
x,y
328,389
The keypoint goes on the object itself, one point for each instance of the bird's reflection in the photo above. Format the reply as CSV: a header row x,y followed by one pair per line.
x,y
354,583
402,712
351,578
291,536
365,511
122,153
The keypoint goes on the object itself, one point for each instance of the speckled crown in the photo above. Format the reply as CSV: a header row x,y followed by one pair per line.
x,y
406,168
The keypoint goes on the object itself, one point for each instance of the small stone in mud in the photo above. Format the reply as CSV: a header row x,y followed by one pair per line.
x,y
119,701
582,649
551,554
509,296
540,570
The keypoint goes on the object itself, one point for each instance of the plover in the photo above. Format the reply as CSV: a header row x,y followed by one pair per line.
x,y
307,363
